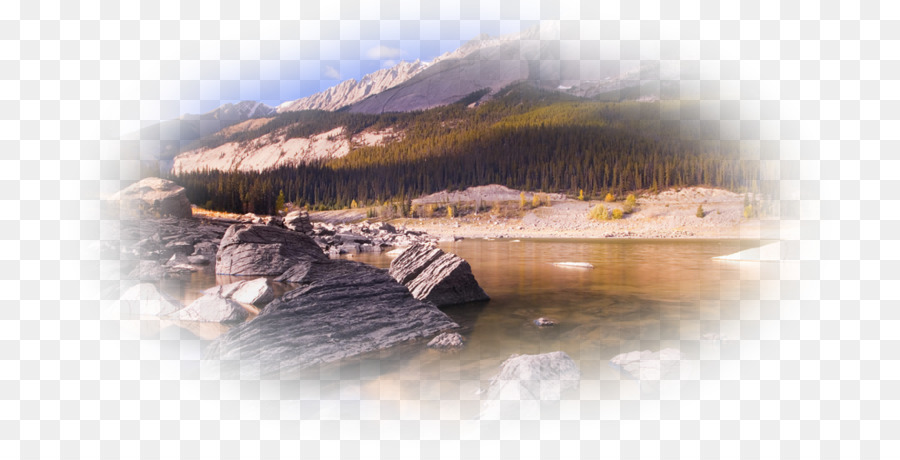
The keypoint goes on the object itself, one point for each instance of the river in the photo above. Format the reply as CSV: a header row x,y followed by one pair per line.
x,y
640,295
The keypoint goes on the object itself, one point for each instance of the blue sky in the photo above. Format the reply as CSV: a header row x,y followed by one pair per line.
x,y
323,54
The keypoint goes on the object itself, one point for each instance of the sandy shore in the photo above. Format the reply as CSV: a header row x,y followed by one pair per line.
x,y
670,214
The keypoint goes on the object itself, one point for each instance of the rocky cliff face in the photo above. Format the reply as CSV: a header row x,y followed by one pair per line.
x,y
352,91
275,149
241,111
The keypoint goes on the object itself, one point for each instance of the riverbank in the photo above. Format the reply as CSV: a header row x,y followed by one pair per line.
x,y
670,214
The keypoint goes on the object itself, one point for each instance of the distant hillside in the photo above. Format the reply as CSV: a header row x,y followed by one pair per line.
x,y
525,138
165,140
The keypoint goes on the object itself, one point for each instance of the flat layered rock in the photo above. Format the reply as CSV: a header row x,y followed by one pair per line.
x,y
341,309
214,309
440,278
145,300
411,262
447,281
256,292
248,249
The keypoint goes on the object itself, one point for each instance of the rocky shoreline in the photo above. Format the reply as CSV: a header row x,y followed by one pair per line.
x,y
334,309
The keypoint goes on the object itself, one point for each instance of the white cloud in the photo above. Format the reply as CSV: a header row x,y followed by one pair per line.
x,y
384,52
330,72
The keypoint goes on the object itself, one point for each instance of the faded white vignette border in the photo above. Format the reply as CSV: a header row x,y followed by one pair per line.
x,y
810,90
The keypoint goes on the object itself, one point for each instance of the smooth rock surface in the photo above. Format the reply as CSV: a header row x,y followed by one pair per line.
x,y
248,249
212,308
341,309
145,300
531,377
153,197
648,365
256,292
447,341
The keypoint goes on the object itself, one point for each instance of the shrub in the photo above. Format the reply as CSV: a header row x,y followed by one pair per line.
x,y
279,202
535,201
749,211
700,213
629,204
522,200
598,212
617,214
581,195
609,198
451,211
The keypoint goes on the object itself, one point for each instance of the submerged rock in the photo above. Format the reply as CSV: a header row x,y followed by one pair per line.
x,y
255,292
435,276
530,377
212,308
248,249
647,365
145,300
447,341
342,309
152,197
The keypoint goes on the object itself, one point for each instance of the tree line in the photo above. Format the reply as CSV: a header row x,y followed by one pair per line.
x,y
523,139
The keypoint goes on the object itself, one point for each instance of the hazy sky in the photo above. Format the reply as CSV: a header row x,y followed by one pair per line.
x,y
279,60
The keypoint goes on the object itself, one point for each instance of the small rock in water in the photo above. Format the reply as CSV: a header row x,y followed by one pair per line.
x,y
541,322
212,308
447,341
647,365
574,265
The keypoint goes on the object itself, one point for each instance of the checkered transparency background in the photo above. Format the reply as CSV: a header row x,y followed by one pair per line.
x,y
812,87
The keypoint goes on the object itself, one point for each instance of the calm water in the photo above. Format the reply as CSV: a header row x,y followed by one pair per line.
x,y
642,294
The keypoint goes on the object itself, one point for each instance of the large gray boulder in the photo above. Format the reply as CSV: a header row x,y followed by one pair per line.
x,y
432,275
411,262
260,250
341,309
214,309
152,197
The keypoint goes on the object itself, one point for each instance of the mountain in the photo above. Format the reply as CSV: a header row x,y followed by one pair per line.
x,y
351,91
524,137
241,111
174,136
490,63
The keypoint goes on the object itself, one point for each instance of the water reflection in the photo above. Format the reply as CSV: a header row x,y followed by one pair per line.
x,y
642,294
